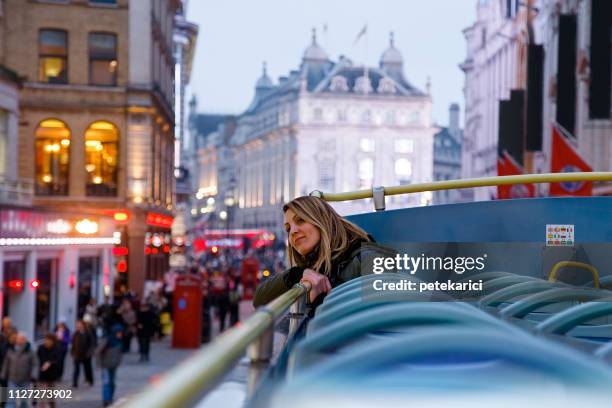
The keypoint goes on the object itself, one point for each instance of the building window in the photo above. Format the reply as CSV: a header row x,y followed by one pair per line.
x,y
326,174
101,159
386,86
341,115
103,2
366,172
390,117
415,117
318,114
363,84
404,146
339,84
53,56
52,157
403,170
367,145
3,142
102,59
366,116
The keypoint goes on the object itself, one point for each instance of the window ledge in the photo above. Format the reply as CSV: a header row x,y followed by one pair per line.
x,y
75,87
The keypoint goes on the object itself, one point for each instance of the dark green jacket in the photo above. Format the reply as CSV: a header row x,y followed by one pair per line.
x,y
356,263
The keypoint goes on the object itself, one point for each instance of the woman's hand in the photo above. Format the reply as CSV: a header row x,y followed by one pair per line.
x,y
320,283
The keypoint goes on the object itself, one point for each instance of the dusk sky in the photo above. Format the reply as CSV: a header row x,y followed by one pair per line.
x,y
236,36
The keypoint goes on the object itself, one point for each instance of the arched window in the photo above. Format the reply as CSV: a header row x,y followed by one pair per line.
x,y
386,86
339,84
403,171
101,159
52,157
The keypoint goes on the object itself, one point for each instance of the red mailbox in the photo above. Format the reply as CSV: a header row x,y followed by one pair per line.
x,y
248,275
187,325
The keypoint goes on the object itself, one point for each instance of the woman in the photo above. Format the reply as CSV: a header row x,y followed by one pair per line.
x,y
324,249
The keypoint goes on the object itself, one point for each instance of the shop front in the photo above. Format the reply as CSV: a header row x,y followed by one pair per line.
x,y
51,265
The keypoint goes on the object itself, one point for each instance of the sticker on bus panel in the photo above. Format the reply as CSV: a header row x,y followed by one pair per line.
x,y
559,235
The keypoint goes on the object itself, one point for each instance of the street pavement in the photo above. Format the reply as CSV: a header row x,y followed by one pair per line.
x,y
132,375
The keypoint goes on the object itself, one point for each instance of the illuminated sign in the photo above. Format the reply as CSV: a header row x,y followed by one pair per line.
x,y
59,226
121,216
87,227
159,220
120,251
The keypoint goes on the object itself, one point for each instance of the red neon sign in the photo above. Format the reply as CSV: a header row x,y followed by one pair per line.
x,y
159,220
121,266
120,251
15,284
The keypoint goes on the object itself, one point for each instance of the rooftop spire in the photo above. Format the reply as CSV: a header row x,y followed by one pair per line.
x,y
391,40
314,36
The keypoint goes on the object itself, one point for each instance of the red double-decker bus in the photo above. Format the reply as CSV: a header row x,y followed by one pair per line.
x,y
214,240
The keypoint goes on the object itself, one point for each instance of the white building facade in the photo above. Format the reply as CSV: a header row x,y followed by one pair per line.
x,y
497,63
491,72
331,126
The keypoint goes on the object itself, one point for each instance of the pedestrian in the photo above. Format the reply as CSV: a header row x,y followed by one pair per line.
x,y
324,249
234,297
146,326
104,312
18,367
129,319
49,355
7,326
109,353
83,347
220,295
62,332
91,312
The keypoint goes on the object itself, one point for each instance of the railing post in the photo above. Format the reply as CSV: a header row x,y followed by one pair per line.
x,y
259,353
297,311
378,193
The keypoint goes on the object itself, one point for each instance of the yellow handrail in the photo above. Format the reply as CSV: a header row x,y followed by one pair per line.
x,y
469,183
552,276
199,374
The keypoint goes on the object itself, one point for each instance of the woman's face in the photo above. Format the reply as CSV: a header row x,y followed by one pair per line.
x,y
303,236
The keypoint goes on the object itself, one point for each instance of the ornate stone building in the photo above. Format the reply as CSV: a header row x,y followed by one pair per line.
x,y
331,126
96,128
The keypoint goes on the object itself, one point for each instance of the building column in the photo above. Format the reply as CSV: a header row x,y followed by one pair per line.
x,y
2,288
66,286
23,305
136,257
106,274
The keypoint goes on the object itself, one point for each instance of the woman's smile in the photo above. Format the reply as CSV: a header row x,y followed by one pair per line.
x,y
303,236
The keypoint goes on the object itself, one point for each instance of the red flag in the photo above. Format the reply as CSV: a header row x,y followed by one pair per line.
x,y
507,166
503,192
565,159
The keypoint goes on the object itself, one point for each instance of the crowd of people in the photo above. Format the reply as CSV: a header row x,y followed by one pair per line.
x,y
225,283
103,332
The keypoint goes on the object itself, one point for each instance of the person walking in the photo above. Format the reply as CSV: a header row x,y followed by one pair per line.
x,y
49,355
130,319
62,332
18,367
109,354
83,346
147,323
235,295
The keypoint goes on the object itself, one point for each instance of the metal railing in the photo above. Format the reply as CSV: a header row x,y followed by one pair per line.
x,y
379,193
191,380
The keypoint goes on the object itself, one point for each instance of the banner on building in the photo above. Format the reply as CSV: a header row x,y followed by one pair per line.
x,y
566,159
507,166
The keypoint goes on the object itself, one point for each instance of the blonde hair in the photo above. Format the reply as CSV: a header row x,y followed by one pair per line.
x,y
337,234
